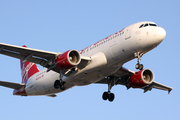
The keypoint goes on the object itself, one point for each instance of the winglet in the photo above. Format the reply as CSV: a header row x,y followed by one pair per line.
x,y
169,91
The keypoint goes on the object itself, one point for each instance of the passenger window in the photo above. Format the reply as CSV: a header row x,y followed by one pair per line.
x,y
146,25
141,26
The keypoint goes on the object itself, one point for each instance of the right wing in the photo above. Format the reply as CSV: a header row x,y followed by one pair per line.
x,y
161,87
12,85
122,76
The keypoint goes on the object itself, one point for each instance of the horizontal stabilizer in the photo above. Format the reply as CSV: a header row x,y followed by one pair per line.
x,y
16,86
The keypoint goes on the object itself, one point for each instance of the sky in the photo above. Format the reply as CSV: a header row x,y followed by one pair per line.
x,y
60,25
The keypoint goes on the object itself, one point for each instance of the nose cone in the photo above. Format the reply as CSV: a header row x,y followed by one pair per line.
x,y
160,34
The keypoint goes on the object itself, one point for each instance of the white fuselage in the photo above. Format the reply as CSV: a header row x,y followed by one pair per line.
x,y
107,55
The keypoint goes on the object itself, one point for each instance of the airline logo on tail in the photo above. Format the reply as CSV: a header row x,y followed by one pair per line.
x,y
27,70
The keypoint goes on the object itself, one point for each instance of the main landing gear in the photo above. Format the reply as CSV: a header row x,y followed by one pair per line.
x,y
108,95
138,55
60,83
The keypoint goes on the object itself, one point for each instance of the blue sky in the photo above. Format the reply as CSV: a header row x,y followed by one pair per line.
x,y
75,24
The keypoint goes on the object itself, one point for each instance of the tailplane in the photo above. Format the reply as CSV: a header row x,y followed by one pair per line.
x,y
27,70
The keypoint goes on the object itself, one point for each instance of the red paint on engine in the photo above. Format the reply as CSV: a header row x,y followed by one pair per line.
x,y
62,62
136,81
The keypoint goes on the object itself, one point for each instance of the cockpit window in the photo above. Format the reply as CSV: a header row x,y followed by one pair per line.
x,y
146,24
152,24
141,26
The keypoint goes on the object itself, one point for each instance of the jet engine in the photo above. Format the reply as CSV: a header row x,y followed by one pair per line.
x,y
141,78
67,60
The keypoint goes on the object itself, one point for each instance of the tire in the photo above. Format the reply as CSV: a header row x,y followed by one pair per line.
x,y
141,66
105,96
57,84
137,66
63,86
111,97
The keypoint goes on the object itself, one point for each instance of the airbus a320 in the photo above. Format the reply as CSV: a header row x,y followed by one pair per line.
x,y
100,63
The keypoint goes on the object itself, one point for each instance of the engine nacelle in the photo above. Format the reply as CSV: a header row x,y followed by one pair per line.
x,y
141,79
67,60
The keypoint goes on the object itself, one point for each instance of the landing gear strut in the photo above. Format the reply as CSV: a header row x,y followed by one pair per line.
x,y
108,95
138,55
62,83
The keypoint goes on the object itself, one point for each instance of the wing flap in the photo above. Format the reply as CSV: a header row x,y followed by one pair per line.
x,y
28,51
38,56
40,61
12,85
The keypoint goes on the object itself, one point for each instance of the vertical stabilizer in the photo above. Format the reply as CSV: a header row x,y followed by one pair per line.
x,y
27,70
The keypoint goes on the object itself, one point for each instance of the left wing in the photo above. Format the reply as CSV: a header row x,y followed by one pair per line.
x,y
41,57
122,76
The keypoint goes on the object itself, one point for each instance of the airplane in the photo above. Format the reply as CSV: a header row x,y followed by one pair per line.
x,y
99,63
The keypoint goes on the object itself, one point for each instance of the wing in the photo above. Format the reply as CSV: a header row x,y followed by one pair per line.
x,y
12,85
161,87
122,76
41,57
27,54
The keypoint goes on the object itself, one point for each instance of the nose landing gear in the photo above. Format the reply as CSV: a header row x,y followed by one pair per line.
x,y
138,55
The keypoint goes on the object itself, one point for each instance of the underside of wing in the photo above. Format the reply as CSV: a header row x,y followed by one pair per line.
x,y
161,87
12,85
143,79
44,58
27,54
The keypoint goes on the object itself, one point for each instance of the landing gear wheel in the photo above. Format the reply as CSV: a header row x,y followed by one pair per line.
x,y
138,55
57,84
139,66
62,85
111,97
105,96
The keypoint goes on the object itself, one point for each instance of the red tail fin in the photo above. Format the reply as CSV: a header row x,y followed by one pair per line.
x,y
27,70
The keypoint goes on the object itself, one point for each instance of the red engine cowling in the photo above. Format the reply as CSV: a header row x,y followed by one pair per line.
x,y
68,60
141,79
